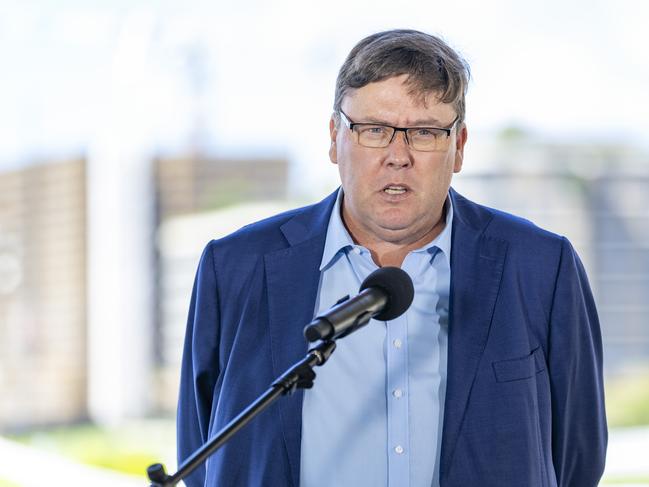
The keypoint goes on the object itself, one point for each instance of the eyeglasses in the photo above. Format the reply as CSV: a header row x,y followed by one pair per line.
x,y
375,135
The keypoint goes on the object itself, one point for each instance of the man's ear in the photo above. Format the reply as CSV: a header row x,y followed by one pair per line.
x,y
460,140
333,133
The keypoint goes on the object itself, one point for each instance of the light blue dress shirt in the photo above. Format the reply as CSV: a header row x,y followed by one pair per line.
x,y
374,416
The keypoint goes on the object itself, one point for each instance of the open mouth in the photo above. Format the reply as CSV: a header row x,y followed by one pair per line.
x,y
394,189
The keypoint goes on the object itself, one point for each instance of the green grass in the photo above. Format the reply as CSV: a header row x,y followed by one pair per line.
x,y
627,399
6,483
625,481
129,448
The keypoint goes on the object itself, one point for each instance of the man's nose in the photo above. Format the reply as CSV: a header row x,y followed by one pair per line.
x,y
399,155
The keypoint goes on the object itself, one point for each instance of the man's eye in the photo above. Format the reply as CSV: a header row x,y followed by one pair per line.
x,y
424,132
374,130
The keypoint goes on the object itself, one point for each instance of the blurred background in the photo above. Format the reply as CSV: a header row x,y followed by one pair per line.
x,y
133,132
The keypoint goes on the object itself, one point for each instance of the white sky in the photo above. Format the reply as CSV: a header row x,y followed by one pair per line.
x,y
73,71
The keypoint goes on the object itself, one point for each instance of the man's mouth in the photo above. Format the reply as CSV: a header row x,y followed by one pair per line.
x,y
395,189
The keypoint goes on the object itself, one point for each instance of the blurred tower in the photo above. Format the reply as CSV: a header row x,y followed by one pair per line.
x,y
120,234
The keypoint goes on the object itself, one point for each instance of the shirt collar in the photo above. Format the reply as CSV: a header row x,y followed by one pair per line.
x,y
338,238
443,241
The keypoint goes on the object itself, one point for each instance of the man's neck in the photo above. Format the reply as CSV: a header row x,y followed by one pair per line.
x,y
386,253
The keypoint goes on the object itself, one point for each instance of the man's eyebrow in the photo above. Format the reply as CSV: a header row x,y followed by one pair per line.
x,y
377,121
428,122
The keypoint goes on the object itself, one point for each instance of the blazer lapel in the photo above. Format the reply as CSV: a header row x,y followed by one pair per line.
x,y
292,278
477,262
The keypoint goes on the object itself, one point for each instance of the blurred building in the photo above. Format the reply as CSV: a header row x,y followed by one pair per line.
x,y
53,353
192,185
198,200
620,243
42,294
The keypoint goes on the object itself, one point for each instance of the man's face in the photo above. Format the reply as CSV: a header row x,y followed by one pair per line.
x,y
375,207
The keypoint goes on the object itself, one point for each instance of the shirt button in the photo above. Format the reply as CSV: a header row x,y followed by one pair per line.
x,y
397,393
398,449
397,343
357,250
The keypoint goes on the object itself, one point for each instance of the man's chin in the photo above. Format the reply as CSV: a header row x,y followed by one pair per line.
x,y
397,221
396,231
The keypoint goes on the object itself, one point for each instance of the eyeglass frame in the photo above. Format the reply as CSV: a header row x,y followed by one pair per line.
x,y
350,124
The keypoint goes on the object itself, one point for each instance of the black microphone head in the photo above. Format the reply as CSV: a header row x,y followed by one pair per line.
x,y
396,283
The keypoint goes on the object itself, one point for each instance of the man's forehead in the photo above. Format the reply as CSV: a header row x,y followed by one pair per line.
x,y
386,101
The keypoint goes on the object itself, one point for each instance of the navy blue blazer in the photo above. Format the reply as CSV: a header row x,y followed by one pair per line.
x,y
524,400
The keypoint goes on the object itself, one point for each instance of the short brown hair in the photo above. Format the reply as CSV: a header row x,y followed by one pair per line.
x,y
431,65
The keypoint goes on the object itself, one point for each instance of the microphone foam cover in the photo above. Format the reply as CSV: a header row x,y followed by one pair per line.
x,y
397,285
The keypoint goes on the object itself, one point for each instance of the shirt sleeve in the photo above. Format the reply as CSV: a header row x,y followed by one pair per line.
x,y
579,432
199,370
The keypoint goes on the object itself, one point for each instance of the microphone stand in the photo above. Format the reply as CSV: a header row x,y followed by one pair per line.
x,y
299,376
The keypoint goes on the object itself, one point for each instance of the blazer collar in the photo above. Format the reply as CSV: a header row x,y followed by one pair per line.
x,y
309,223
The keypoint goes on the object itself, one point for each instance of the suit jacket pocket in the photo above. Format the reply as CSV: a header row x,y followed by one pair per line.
x,y
519,368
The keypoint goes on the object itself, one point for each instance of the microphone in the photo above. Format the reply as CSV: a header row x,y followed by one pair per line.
x,y
385,294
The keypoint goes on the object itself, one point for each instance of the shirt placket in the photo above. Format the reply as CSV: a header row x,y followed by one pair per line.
x,y
397,393
397,402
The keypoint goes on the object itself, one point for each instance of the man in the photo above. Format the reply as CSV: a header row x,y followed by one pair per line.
x,y
493,377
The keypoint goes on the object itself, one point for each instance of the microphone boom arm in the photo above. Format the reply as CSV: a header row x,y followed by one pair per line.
x,y
299,376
